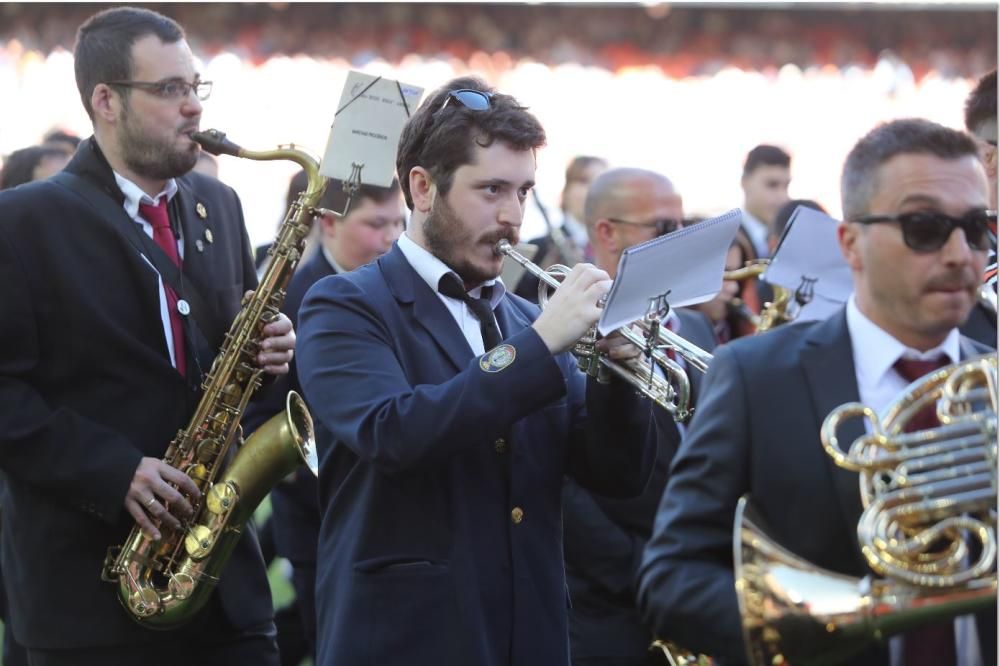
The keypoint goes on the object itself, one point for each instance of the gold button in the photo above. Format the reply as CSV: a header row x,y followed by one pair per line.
x,y
500,445
517,515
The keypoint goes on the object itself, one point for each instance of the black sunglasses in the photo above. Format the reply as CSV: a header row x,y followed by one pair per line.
x,y
927,231
474,100
663,227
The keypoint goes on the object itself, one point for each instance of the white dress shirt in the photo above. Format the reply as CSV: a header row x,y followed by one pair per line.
x,y
757,231
430,269
875,353
133,197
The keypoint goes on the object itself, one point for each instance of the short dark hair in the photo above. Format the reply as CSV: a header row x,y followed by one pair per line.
x,y
768,155
442,142
334,198
103,50
59,136
981,104
906,136
19,167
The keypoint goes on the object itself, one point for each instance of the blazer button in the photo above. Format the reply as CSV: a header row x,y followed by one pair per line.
x,y
517,515
500,445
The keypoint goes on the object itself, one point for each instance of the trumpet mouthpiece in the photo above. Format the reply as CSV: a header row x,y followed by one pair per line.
x,y
502,247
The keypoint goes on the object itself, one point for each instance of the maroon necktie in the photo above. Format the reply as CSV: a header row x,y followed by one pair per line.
x,y
163,235
933,644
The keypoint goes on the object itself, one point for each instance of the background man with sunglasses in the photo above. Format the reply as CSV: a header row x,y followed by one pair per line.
x,y
604,537
100,368
441,466
914,197
981,123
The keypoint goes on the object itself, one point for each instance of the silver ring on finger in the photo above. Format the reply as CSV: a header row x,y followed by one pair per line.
x,y
151,502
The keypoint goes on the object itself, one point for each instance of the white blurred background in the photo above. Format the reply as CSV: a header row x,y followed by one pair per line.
x,y
682,89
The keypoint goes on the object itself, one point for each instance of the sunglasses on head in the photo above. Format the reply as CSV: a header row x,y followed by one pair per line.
x,y
927,231
474,100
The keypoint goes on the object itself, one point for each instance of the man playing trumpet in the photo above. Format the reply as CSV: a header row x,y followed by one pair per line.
x,y
448,412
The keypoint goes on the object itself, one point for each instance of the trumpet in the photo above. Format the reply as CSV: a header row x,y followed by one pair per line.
x,y
673,393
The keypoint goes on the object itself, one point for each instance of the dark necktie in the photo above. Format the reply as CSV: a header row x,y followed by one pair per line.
x,y
933,644
451,286
163,236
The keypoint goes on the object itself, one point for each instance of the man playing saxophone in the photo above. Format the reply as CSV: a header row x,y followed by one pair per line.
x,y
447,413
117,286
915,203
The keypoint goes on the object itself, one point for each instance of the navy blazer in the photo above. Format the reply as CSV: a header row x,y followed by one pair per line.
x,y
87,389
757,431
604,539
440,475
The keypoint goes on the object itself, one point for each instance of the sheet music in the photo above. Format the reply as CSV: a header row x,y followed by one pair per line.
x,y
810,252
366,127
685,265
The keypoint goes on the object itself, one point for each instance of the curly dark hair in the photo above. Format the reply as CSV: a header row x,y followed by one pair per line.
x,y
440,138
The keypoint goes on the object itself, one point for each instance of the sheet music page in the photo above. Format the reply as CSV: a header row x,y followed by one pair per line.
x,y
686,265
810,252
366,127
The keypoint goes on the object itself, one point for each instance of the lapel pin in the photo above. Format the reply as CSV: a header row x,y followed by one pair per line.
x,y
201,210
208,235
199,245
183,307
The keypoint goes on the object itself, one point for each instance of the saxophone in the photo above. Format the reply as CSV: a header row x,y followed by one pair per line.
x,y
164,583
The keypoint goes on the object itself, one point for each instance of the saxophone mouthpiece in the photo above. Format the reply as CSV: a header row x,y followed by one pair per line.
x,y
215,142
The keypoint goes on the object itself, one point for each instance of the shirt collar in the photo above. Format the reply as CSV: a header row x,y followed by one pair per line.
x,y
330,260
430,269
876,351
135,196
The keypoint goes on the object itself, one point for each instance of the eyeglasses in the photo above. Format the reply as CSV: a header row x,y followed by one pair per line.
x,y
171,89
927,231
662,227
474,100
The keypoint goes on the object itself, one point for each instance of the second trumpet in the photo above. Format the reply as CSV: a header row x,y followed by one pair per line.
x,y
672,390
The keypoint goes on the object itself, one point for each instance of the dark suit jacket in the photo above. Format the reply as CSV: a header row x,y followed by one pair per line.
x,y
87,389
981,326
294,502
440,480
604,539
757,431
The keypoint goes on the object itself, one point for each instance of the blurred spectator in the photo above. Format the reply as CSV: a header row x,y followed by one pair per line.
x,y
766,175
58,138
981,121
566,243
29,164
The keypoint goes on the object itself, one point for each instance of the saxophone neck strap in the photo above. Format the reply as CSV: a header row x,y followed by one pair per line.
x,y
200,320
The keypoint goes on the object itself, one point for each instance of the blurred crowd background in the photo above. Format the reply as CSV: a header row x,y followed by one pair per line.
x,y
685,90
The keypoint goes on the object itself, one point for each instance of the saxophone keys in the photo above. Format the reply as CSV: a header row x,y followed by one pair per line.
x,y
198,542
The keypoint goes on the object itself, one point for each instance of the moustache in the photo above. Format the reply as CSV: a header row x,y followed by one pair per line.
x,y
964,279
510,235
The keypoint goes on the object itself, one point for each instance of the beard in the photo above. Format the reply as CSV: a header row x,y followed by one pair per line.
x,y
449,240
153,157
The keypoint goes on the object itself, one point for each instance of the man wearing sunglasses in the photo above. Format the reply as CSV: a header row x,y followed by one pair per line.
x,y
915,201
441,462
604,537
118,285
